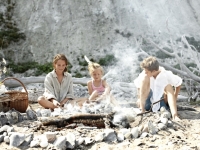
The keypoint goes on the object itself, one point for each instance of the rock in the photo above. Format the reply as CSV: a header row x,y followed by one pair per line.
x,y
143,135
60,143
120,137
44,143
6,139
28,139
16,139
35,143
88,141
79,141
45,112
51,136
31,115
110,135
99,137
4,128
161,126
71,140
10,129
1,138
164,120
151,128
3,119
135,132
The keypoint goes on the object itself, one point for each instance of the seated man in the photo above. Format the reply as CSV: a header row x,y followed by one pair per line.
x,y
152,83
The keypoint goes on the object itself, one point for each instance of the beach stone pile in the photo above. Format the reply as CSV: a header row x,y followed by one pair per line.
x,y
129,126
26,130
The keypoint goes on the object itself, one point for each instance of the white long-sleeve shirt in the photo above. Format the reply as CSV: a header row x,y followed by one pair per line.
x,y
158,84
53,89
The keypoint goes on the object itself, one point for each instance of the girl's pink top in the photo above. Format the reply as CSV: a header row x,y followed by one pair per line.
x,y
100,89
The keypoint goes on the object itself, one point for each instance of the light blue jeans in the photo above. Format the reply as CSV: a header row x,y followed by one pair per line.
x,y
148,102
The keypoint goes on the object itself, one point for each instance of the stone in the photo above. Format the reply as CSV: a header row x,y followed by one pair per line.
x,y
16,139
135,132
51,136
110,135
60,143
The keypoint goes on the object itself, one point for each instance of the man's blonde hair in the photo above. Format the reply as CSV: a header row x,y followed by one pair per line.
x,y
150,63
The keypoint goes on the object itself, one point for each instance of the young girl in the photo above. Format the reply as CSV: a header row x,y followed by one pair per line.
x,y
58,85
97,87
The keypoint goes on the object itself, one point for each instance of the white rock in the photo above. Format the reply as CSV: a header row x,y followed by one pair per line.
x,y
88,140
164,120
161,126
120,137
34,143
99,137
80,141
151,128
44,143
135,132
71,138
6,139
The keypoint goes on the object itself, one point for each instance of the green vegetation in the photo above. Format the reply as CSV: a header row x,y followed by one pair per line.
x,y
162,55
107,60
23,67
9,32
195,43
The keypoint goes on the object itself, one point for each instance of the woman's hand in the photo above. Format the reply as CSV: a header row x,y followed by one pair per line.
x,y
56,103
62,103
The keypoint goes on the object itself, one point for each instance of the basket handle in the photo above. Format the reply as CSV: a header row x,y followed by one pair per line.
x,y
17,80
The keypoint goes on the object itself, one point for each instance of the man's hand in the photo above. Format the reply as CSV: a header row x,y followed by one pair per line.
x,y
138,103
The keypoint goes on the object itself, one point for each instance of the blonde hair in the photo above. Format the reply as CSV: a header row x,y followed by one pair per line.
x,y
150,63
60,57
93,66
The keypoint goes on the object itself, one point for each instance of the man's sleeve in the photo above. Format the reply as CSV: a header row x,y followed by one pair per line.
x,y
174,80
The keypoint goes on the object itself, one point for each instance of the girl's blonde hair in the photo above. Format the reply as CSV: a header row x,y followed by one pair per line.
x,y
92,66
60,57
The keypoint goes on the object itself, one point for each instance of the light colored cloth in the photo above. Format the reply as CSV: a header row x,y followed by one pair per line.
x,y
53,89
158,84
100,89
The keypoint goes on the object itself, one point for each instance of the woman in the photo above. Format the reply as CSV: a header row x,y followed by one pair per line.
x,y
58,85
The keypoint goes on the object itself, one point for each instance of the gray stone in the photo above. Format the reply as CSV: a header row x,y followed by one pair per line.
x,y
28,139
31,115
17,139
1,138
161,126
3,119
60,143
110,135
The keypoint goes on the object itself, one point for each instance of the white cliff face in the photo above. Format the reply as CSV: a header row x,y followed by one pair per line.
x,y
95,28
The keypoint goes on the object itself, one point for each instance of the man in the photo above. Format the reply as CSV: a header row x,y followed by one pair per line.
x,y
152,83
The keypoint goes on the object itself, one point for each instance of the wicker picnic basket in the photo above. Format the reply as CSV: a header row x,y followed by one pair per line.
x,y
15,99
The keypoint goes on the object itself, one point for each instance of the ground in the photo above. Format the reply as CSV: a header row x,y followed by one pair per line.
x,y
184,136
